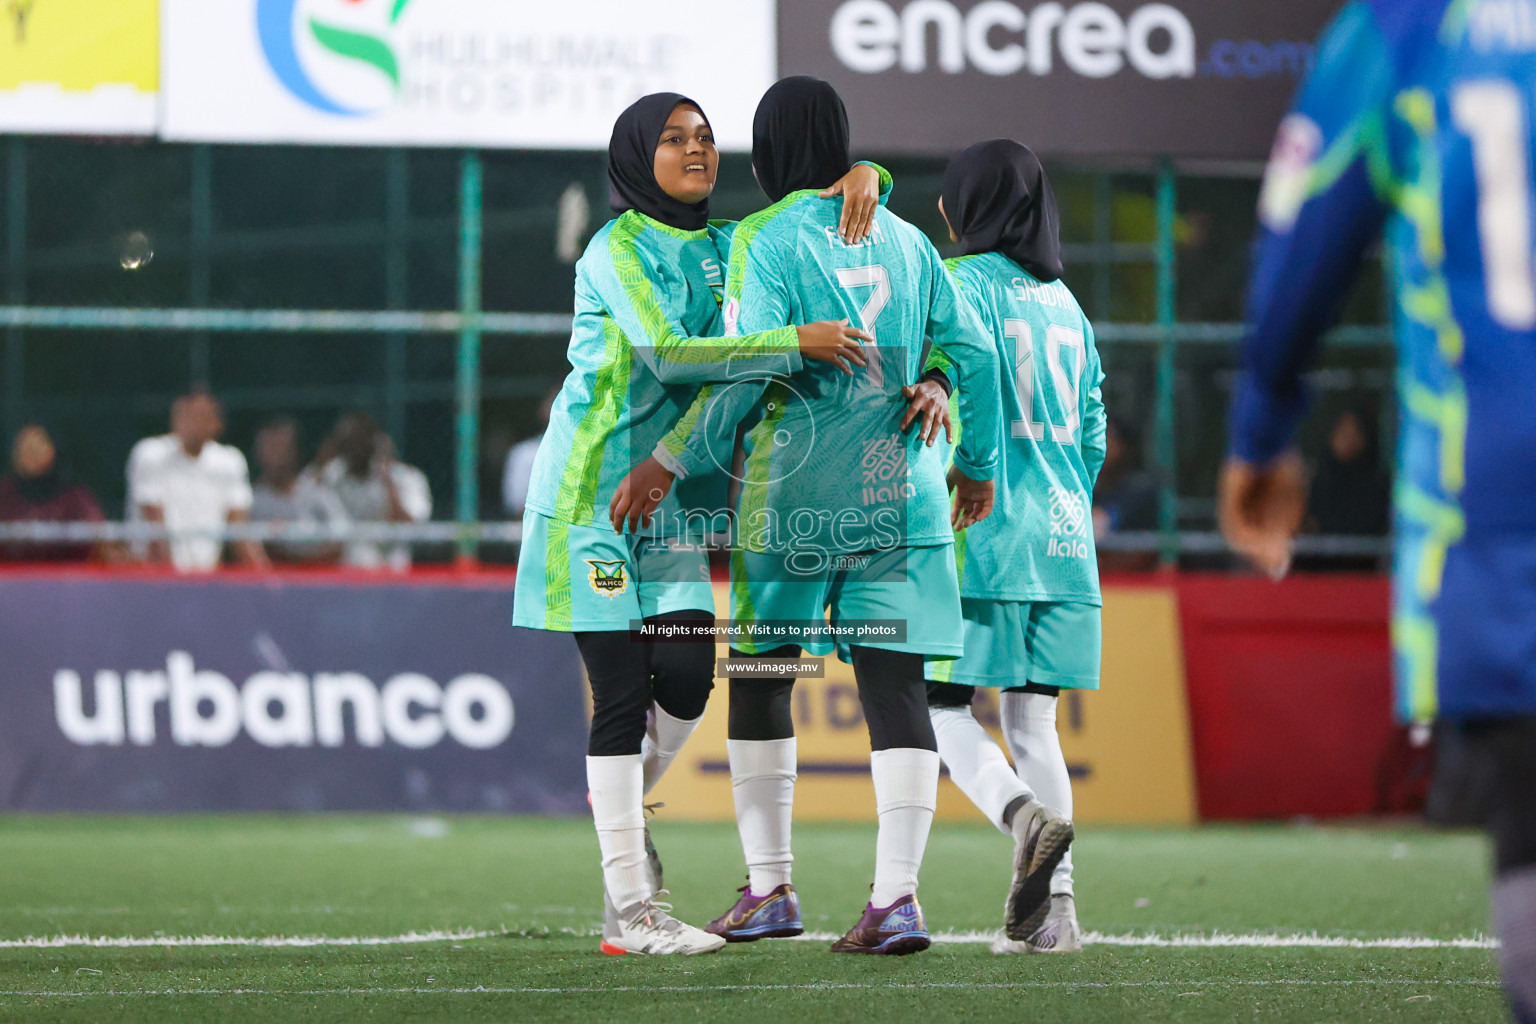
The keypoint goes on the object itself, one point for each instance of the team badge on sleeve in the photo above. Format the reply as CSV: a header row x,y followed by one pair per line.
x,y
1288,178
608,579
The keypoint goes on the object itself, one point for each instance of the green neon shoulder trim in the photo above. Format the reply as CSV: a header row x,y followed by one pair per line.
x,y
746,235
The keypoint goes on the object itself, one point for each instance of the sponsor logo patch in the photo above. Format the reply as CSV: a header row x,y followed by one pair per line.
x,y
608,579
1289,175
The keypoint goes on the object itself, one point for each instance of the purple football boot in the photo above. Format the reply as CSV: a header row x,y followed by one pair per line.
x,y
895,930
774,916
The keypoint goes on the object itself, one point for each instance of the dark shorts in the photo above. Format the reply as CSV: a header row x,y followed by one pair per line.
x,y
1493,777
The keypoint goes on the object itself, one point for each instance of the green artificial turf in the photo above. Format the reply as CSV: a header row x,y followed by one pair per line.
x,y
532,885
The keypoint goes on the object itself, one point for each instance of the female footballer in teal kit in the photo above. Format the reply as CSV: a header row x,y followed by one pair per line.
x,y
843,520
646,335
1029,581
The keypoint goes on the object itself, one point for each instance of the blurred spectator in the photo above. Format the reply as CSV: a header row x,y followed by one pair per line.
x,y
1351,493
519,467
39,491
194,485
285,496
357,463
1125,499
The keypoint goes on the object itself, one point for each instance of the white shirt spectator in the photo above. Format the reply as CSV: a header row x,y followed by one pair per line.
x,y
196,495
366,501
518,471
309,503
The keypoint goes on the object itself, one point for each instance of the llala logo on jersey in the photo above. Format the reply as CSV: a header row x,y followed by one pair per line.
x,y
608,579
1288,177
1069,525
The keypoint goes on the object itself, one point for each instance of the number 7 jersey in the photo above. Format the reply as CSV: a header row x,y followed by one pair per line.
x,y
1038,543
827,464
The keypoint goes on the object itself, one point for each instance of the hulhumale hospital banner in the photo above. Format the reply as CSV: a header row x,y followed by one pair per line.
x,y
79,66
490,73
1185,78
169,695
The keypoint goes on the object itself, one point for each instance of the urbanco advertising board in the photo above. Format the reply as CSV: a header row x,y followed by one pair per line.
x,y
1186,78
144,694
487,73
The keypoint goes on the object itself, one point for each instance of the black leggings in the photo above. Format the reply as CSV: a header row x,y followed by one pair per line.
x,y
627,674
891,689
954,695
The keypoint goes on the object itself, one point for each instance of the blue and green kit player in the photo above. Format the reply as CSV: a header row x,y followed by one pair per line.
x,y
1420,117
646,334
841,509
1029,580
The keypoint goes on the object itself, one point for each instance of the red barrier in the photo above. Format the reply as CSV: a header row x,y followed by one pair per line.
x,y
1290,693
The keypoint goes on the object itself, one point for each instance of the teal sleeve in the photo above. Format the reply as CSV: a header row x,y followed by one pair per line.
x,y
961,338
706,435
1095,422
887,183
649,318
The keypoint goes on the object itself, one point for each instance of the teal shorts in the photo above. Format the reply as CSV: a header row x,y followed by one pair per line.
x,y
912,590
579,578
1010,643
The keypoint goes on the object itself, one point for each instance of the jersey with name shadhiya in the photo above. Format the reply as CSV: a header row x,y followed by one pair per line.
x,y
1038,543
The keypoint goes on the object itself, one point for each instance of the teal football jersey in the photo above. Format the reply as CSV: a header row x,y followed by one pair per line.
x,y
1038,543
646,334
827,465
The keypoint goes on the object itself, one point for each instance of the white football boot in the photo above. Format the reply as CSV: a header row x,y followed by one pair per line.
x,y
648,927
1059,934
610,913
1041,837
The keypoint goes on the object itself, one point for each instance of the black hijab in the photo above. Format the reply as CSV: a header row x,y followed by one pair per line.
x,y
799,136
632,163
998,199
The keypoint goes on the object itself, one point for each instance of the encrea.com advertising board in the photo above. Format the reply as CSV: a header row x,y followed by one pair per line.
x,y
1186,78
489,73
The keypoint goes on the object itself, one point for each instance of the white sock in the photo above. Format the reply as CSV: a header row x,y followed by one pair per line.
x,y
1029,726
614,783
763,785
976,763
1514,921
906,792
664,737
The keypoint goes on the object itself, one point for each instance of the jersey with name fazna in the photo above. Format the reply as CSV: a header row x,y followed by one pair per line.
x,y
827,467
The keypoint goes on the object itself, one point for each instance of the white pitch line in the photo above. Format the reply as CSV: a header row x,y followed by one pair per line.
x,y
1221,940
134,941
1215,940
1193,986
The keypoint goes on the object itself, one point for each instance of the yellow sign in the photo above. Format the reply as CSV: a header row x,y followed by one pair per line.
x,y
1127,745
79,66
